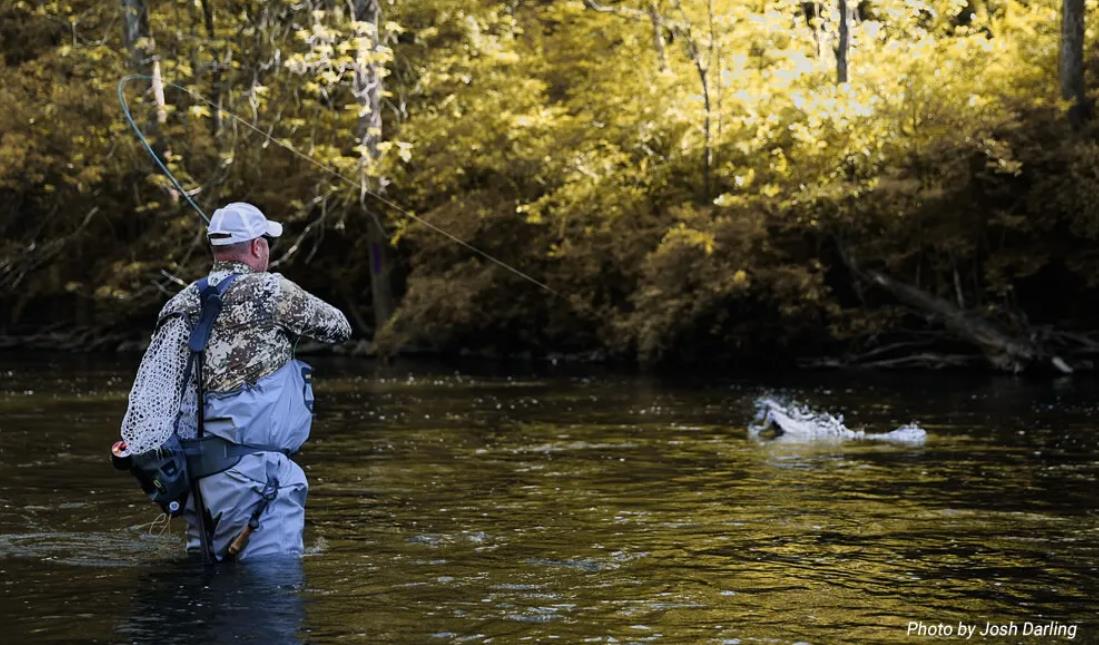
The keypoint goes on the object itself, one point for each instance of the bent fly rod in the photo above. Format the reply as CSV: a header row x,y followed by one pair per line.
x,y
301,155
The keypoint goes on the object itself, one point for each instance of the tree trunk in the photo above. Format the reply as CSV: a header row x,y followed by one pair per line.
x,y
381,273
813,21
135,35
1072,58
140,48
368,91
658,36
702,68
215,80
843,44
707,143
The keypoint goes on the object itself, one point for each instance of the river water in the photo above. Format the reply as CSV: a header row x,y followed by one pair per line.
x,y
537,503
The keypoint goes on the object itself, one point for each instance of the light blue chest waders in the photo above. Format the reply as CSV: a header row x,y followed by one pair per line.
x,y
262,496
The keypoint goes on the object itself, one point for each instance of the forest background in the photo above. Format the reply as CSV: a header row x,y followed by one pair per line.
x,y
885,182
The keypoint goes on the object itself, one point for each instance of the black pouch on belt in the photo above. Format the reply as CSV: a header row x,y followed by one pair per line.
x,y
163,475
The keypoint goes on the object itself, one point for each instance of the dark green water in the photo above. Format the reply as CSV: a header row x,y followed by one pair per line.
x,y
536,505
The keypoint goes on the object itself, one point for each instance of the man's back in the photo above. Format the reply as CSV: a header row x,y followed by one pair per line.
x,y
261,318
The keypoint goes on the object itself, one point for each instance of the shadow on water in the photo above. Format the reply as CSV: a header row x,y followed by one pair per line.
x,y
185,601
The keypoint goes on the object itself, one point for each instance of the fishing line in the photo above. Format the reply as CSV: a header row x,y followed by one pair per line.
x,y
148,148
286,146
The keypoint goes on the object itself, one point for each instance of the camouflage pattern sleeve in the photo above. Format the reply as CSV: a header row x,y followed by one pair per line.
x,y
303,314
185,303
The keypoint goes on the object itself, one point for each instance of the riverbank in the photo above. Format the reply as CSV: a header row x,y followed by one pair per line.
x,y
928,354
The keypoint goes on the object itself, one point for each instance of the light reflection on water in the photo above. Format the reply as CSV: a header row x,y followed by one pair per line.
x,y
466,506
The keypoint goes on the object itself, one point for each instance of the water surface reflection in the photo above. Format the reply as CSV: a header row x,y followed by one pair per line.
x,y
184,601
468,505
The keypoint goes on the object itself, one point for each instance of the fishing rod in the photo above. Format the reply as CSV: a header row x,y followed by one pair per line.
x,y
294,151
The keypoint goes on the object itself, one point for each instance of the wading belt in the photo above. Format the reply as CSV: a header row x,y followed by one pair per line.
x,y
210,455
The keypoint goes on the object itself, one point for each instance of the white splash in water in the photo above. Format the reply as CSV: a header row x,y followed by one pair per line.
x,y
796,423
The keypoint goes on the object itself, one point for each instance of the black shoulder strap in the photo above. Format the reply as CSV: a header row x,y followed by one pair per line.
x,y
210,298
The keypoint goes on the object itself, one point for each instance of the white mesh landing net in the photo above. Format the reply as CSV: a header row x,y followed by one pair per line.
x,y
158,396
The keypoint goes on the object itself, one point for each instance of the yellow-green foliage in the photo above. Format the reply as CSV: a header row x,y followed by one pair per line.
x,y
688,200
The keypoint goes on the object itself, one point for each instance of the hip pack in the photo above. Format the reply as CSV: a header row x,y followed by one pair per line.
x,y
167,473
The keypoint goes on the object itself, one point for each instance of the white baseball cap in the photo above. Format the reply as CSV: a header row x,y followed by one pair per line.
x,y
240,222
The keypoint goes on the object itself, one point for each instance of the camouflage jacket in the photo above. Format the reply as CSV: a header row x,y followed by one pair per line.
x,y
262,317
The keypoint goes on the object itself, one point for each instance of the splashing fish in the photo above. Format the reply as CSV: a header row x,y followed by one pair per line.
x,y
790,422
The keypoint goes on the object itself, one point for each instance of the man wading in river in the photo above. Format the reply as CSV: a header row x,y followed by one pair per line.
x,y
228,340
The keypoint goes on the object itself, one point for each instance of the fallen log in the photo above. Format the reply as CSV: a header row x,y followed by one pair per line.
x,y
1001,349
873,360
